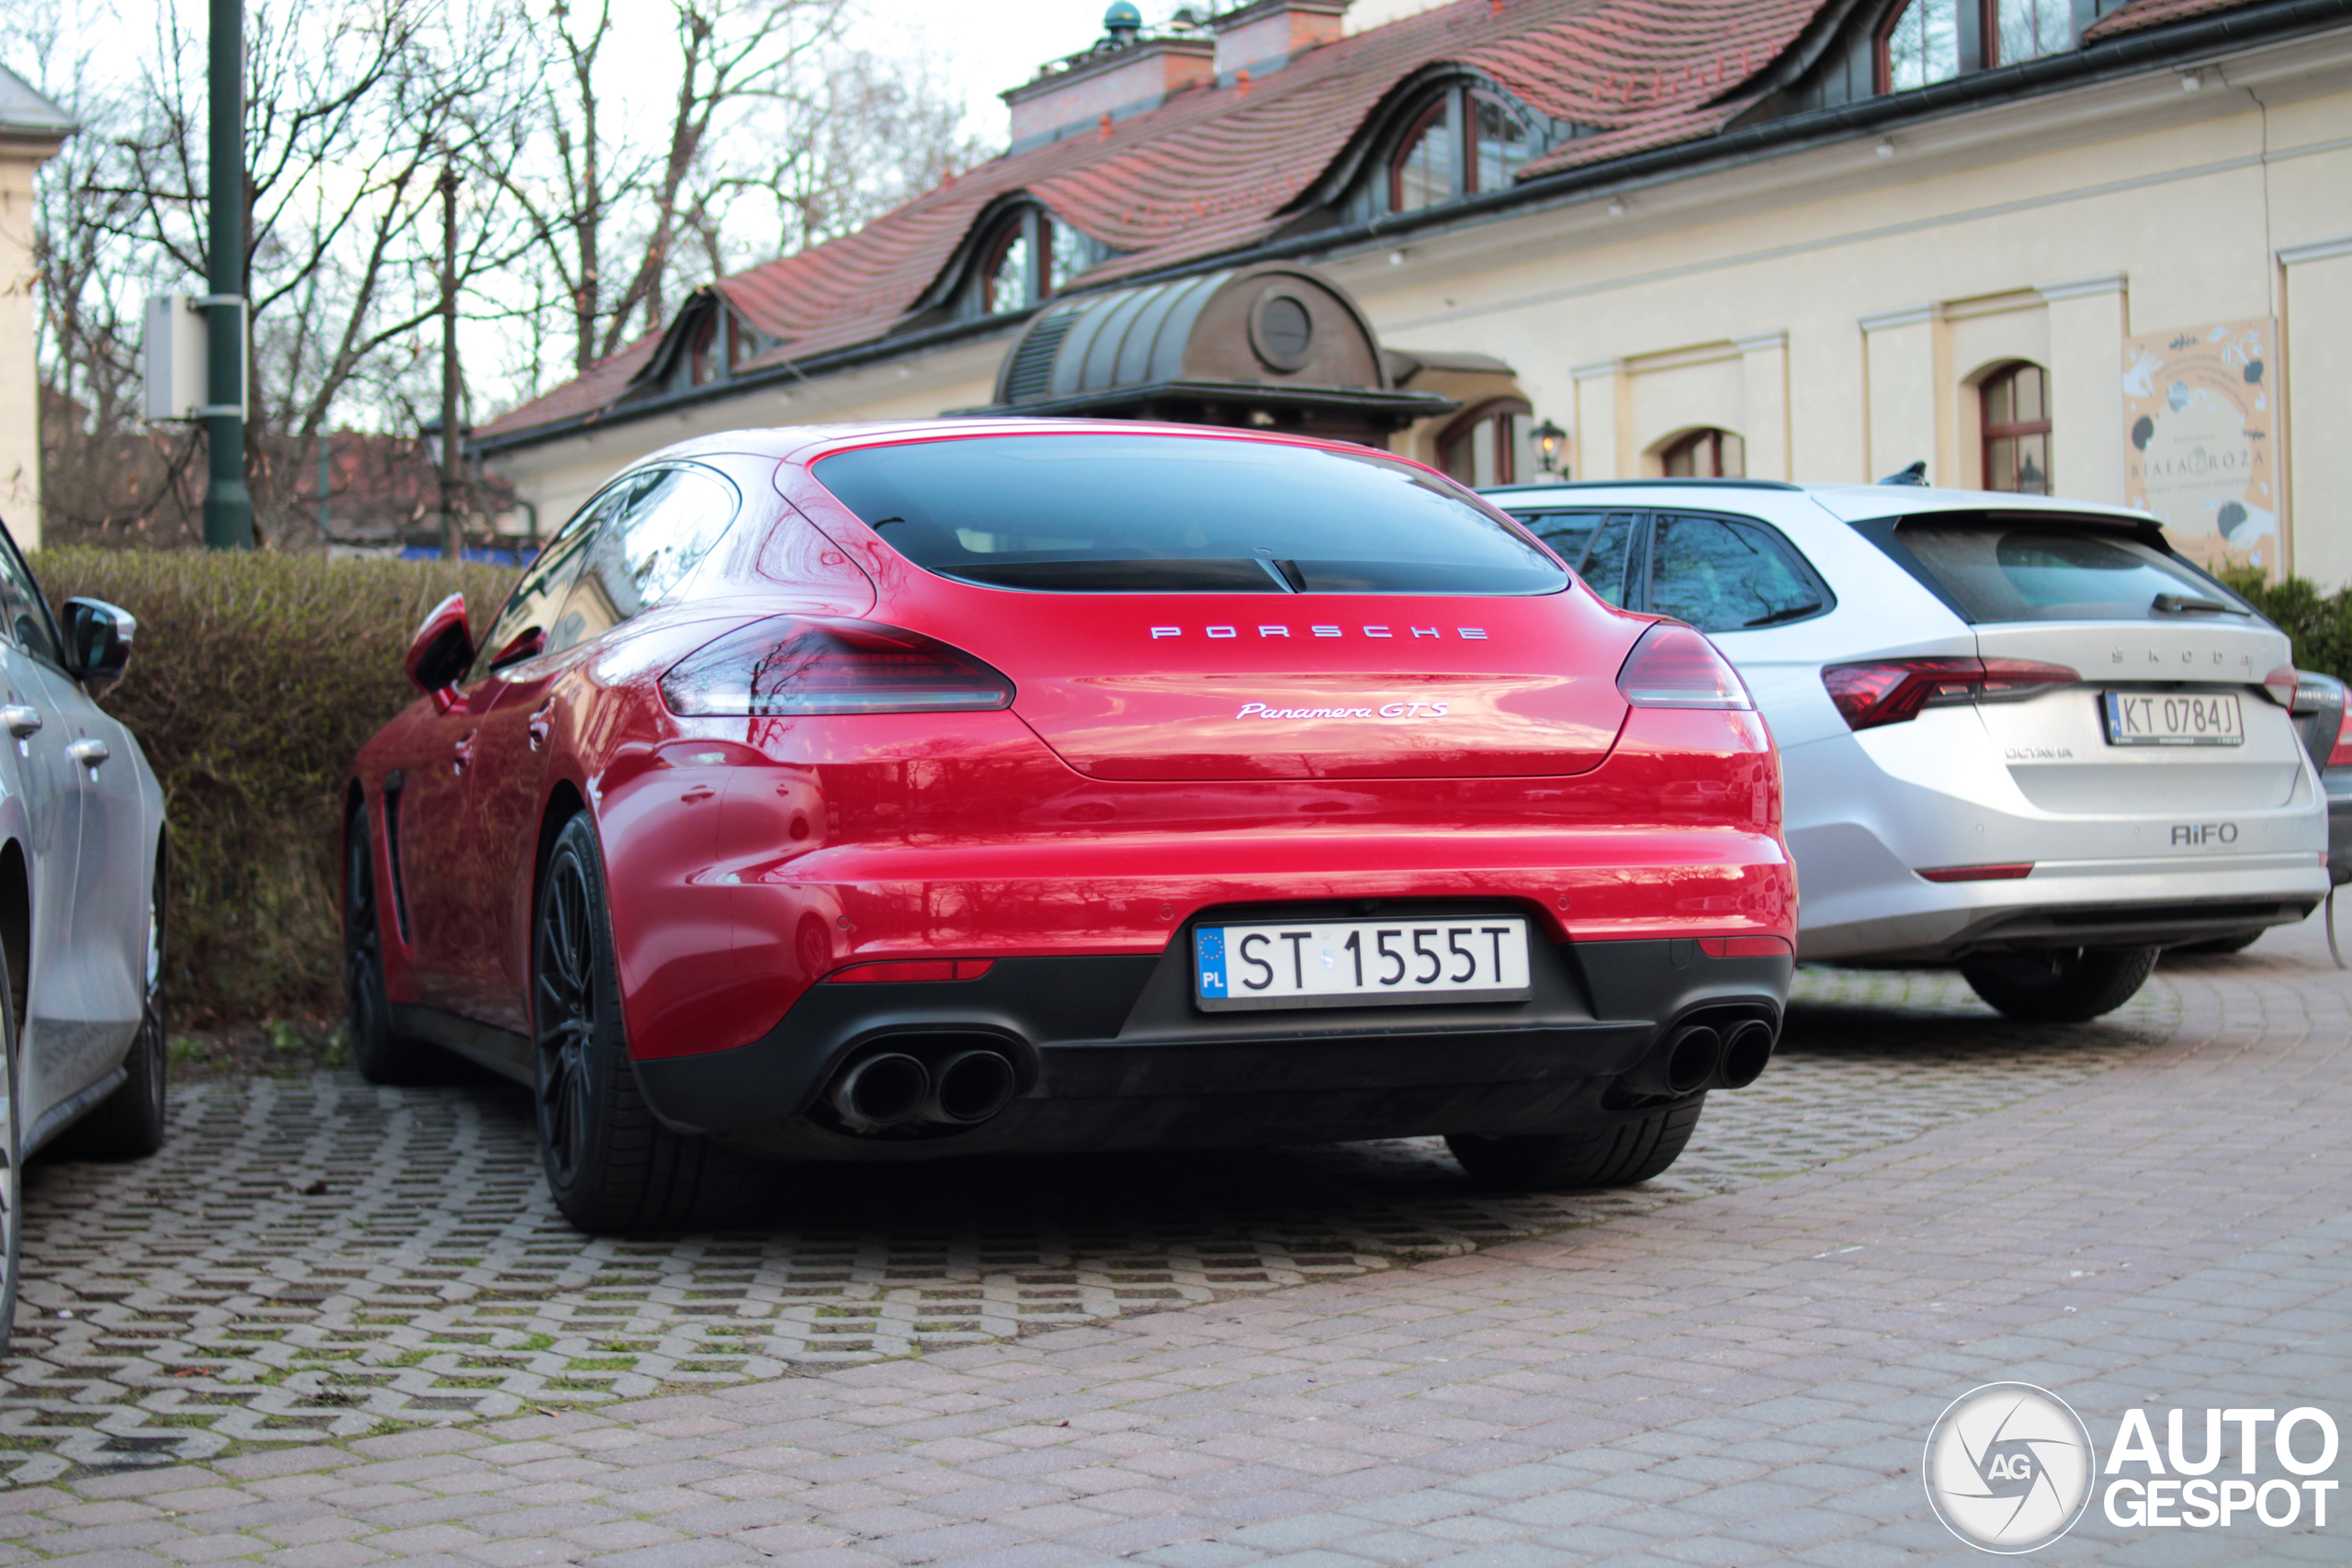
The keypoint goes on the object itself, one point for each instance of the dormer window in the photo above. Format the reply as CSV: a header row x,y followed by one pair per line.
x,y
1465,140
1922,43
1030,257
1919,45
2027,30
720,344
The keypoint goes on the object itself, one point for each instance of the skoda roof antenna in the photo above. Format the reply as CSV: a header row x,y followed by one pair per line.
x,y
1917,474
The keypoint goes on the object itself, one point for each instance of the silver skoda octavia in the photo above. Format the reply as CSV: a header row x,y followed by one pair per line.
x,y
82,1046
2016,732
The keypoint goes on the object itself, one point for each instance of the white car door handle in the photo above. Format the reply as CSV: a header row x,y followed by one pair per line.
x,y
89,753
22,721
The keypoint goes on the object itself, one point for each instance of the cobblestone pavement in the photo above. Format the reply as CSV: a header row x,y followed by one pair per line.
x,y
1356,1358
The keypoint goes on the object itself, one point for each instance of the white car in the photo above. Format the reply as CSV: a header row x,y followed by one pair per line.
x,y
82,1043
2016,732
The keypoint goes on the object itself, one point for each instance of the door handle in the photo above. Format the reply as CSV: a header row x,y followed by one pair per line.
x,y
461,755
538,726
89,753
22,721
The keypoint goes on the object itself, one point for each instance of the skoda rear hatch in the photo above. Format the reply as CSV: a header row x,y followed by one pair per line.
x,y
1175,606
2114,677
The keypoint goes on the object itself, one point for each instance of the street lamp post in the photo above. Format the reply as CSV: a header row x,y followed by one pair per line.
x,y
228,506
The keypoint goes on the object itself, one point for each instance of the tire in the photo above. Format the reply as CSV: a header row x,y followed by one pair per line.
x,y
381,1056
1617,1156
2061,985
2223,945
129,1123
612,1166
12,1145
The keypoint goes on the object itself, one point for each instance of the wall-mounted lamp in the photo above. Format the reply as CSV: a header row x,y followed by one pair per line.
x,y
1550,442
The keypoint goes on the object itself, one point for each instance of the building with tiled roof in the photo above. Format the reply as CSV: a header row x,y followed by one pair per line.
x,y
1820,239
31,130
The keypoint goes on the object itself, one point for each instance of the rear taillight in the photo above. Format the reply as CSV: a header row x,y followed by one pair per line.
x,y
789,665
2341,753
1890,691
2280,683
1674,667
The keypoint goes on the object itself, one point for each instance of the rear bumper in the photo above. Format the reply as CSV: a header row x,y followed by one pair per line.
x,y
2080,904
1110,1053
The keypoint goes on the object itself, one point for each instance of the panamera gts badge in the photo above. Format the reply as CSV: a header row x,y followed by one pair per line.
x,y
1385,710
1228,634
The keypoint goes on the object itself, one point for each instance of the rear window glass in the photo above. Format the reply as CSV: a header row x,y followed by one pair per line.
x,y
2024,569
1089,513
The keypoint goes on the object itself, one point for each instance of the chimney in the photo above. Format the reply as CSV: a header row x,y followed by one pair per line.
x,y
1125,74
1264,37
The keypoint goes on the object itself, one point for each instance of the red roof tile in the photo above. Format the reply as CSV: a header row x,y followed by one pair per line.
x,y
1215,170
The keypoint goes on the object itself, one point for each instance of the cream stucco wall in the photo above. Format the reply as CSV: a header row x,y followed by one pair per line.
x,y
19,379
1836,306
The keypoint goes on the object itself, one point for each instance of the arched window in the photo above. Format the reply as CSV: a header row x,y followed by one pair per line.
x,y
2017,428
1919,45
1481,448
1705,454
1028,258
1465,140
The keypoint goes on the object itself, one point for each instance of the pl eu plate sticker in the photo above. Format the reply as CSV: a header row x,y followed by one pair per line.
x,y
1208,946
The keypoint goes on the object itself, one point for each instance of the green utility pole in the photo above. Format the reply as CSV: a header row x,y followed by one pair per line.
x,y
228,508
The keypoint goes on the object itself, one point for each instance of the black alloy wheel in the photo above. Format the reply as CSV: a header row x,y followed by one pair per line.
x,y
129,1123
381,1056
2060,984
610,1164
566,994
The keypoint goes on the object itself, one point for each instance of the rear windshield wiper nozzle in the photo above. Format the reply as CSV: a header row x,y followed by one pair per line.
x,y
2181,604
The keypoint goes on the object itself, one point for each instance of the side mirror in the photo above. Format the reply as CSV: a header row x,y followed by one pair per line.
x,y
443,647
98,639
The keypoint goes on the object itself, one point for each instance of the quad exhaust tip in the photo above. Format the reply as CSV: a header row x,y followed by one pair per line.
x,y
1682,1065
970,1088
891,1089
1700,1055
1747,1051
881,1091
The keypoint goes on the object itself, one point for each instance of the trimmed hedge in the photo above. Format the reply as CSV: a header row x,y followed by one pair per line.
x,y
2320,624
253,680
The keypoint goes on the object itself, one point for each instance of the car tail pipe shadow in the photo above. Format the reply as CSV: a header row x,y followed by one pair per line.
x,y
936,1083
1729,1052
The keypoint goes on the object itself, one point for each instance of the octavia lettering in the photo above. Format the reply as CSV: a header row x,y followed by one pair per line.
x,y
1385,710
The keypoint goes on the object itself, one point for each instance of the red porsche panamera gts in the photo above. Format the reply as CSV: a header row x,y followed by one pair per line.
x,y
901,792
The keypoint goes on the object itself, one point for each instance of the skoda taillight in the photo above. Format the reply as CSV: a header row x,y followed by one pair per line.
x,y
1891,691
790,665
2341,752
1674,667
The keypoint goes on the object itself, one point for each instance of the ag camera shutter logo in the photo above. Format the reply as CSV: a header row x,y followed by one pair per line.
x,y
2009,1468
